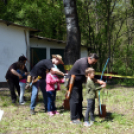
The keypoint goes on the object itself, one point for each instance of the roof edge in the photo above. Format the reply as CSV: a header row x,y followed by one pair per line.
x,y
49,39
13,24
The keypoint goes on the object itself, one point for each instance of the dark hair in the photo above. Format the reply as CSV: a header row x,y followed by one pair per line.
x,y
20,64
93,55
22,58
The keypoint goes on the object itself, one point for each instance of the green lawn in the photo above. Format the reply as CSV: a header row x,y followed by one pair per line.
x,y
119,102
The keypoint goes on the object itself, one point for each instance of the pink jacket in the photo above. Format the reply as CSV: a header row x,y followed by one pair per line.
x,y
51,80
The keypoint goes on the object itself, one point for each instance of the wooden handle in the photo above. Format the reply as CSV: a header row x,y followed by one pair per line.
x,y
70,86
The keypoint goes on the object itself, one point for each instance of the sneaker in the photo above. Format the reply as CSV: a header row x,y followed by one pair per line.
x,y
87,124
56,112
32,111
50,113
75,122
22,103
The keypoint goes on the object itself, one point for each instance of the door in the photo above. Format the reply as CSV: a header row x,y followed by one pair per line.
x,y
37,54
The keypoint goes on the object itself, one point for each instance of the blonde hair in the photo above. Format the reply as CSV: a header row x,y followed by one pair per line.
x,y
88,70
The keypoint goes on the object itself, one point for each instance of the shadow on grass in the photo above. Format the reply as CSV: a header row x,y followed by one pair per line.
x,y
3,92
60,109
110,117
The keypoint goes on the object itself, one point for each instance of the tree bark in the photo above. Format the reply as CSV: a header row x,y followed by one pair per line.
x,y
5,1
72,49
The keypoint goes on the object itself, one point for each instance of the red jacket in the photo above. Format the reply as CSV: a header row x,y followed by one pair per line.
x,y
51,80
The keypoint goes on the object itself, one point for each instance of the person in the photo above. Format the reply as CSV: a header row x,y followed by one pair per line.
x,y
22,84
12,77
52,85
39,70
90,95
76,96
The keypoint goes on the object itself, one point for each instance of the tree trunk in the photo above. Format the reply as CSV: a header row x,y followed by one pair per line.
x,y
72,49
5,1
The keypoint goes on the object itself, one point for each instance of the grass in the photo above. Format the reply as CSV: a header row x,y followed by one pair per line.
x,y
119,102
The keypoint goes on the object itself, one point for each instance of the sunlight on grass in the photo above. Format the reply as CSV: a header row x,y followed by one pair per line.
x,y
120,115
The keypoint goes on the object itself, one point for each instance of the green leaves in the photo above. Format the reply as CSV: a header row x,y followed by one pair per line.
x,y
104,24
44,15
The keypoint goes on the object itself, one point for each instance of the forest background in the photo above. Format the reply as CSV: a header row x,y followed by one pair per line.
x,y
106,27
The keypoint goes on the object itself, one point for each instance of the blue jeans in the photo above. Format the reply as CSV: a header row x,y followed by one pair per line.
x,y
51,95
22,91
42,84
90,109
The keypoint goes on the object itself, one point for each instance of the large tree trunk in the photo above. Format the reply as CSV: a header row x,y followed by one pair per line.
x,y
5,1
72,49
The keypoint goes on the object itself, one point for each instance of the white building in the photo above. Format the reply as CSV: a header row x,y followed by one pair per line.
x,y
15,40
41,47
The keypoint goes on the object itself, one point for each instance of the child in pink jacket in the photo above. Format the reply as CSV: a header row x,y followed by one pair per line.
x,y
52,84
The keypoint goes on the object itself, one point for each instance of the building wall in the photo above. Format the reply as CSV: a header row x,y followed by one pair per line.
x,y
12,45
84,52
40,43
14,41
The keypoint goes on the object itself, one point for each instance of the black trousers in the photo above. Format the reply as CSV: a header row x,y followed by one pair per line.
x,y
76,109
90,109
12,86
